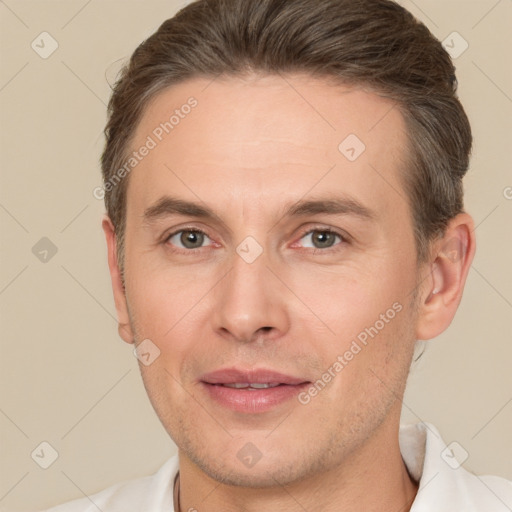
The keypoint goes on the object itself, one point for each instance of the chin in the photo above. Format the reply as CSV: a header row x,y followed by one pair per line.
x,y
262,475
274,468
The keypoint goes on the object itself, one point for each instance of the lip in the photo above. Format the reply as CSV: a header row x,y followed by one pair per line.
x,y
251,400
261,376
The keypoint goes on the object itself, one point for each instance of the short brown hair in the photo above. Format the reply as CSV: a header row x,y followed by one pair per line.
x,y
373,43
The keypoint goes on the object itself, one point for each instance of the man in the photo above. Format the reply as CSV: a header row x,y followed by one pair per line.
x,y
283,183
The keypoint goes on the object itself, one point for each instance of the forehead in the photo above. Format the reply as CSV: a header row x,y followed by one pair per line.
x,y
269,138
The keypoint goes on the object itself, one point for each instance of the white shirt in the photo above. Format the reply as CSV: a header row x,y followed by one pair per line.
x,y
444,486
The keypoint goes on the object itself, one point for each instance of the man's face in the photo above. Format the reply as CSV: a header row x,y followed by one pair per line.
x,y
333,283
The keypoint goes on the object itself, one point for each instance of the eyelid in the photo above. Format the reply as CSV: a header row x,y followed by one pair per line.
x,y
345,239
168,235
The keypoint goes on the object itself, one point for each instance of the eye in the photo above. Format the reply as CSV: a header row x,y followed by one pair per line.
x,y
187,239
321,239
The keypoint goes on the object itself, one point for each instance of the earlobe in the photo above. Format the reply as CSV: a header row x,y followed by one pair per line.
x,y
124,326
448,270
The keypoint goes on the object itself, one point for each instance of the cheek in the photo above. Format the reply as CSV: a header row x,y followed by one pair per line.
x,y
365,332
352,298
161,300
367,371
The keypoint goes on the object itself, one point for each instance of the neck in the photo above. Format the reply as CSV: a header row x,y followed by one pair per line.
x,y
372,478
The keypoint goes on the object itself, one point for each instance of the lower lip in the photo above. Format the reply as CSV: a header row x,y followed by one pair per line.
x,y
253,400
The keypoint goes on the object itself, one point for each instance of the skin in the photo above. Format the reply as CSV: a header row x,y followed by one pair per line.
x,y
251,147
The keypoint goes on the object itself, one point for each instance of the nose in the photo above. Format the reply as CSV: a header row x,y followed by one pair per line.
x,y
250,302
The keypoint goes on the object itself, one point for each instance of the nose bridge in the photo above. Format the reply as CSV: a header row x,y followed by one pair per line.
x,y
249,298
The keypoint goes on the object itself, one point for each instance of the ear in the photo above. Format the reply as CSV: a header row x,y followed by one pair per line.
x,y
124,327
448,269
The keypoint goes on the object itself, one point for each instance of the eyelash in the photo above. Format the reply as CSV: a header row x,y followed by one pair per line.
x,y
179,250
344,239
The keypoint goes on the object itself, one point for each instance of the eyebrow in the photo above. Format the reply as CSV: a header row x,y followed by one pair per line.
x,y
332,206
167,206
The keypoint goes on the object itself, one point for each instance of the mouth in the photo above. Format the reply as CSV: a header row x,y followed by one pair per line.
x,y
251,385
251,391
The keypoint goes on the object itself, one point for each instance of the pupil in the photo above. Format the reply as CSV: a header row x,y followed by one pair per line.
x,y
191,239
323,239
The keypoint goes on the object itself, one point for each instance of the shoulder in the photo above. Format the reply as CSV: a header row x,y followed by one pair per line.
x,y
444,484
148,494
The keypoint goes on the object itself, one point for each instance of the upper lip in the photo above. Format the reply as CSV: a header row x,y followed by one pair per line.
x,y
260,376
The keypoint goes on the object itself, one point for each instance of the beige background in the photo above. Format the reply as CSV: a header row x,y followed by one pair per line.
x,y
68,380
